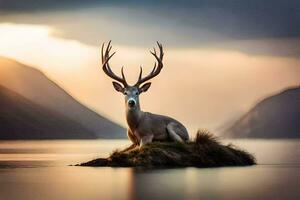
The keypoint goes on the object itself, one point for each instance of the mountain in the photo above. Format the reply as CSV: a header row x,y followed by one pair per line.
x,y
23,119
39,89
277,116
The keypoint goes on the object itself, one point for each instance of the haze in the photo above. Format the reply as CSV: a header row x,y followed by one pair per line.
x,y
207,82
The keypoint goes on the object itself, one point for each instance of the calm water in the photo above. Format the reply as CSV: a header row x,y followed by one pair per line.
x,y
38,170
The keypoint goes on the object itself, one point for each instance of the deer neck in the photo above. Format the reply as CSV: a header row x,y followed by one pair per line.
x,y
133,116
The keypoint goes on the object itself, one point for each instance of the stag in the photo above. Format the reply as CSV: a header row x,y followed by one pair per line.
x,y
143,127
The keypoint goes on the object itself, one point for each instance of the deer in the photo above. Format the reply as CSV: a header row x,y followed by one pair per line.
x,y
143,127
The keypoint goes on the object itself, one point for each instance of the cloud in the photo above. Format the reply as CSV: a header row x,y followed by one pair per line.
x,y
227,24
238,19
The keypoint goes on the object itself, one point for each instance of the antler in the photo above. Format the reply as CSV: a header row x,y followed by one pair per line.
x,y
156,69
105,65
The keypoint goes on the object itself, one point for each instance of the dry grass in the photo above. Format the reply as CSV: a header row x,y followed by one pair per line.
x,y
204,136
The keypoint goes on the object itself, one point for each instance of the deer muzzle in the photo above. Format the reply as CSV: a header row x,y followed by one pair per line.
x,y
131,102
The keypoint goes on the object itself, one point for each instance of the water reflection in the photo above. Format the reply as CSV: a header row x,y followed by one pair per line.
x,y
52,178
220,183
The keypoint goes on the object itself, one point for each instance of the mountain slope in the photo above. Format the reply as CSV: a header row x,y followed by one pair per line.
x,y
277,116
38,88
23,119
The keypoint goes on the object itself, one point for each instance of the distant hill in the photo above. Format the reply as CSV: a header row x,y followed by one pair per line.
x,y
277,116
39,89
23,119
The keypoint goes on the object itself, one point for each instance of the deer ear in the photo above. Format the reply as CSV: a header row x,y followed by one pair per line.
x,y
144,87
118,87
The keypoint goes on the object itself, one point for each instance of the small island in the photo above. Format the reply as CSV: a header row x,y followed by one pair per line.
x,y
204,151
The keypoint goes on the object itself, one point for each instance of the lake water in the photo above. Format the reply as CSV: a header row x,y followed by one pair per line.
x,y
39,170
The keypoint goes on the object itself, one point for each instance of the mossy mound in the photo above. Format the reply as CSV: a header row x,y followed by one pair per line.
x,y
204,151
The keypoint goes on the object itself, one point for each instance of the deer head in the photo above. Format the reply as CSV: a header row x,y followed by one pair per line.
x,y
131,92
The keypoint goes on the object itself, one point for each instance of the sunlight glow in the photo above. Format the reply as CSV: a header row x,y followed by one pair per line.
x,y
14,39
217,84
11,31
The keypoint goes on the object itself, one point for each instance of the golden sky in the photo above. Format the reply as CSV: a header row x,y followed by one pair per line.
x,y
202,87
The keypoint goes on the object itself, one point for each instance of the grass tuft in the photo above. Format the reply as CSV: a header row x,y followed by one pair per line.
x,y
203,136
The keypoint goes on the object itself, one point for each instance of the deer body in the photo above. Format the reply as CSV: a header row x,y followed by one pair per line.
x,y
144,127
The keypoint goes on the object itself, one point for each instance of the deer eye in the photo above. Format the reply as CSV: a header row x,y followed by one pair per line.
x,y
125,93
136,93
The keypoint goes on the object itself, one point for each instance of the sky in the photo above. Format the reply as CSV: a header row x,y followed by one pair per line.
x,y
220,58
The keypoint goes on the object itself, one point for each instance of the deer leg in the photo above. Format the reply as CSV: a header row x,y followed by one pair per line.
x,y
146,140
132,146
172,133
133,139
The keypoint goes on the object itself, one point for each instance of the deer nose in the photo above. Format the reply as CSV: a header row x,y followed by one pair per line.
x,y
131,102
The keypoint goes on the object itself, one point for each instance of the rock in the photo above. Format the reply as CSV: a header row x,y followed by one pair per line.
x,y
204,151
